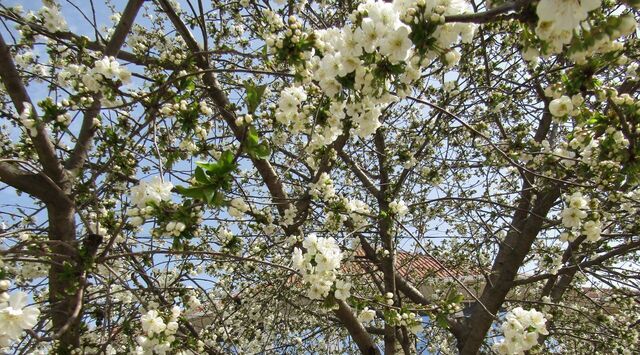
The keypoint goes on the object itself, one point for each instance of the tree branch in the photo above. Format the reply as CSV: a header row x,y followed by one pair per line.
x,y
265,169
33,184
18,93
81,149
491,14
356,329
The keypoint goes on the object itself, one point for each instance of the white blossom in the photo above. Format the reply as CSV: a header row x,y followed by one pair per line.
x,y
154,191
561,107
16,316
152,323
521,330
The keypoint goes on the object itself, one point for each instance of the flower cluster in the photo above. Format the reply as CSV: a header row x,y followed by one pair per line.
x,y
154,191
323,189
358,212
411,320
289,104
521,329
398,208
15,315
106,68
137,216
573,215
174,228
558,19
319,266
289,216
360,65
158,334
237,208
52,19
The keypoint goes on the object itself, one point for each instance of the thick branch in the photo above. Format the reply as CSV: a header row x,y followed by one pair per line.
x,y
87,131
33,184
364,179
221,100
623,249
512,253
18,93
356,329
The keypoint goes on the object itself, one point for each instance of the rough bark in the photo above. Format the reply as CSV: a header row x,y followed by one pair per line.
x,y
64,280
517,244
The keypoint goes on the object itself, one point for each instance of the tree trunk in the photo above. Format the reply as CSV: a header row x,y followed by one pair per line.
x,y
526,226
64,276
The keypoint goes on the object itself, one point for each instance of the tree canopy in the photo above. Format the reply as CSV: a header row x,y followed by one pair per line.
x,y
407,176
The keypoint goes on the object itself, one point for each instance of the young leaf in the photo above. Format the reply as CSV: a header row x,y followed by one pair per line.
x,y
253,95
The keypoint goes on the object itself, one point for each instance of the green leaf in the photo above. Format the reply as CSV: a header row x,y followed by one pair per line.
x,y
208,192
186,84
223,166
177,244
201,176
252,136
211,178
454,297
253,96
262,151
227,157
253,147
441,320
193,192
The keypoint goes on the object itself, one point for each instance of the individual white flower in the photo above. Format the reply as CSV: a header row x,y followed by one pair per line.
x,y
175,312
370,34
398,208
152,323
565,15
396,44
26,118
154,191
297,259
592,230
561,106
172,327
531,54
571,217
16,316
576,200
158,190
342,290
367,315
136,221
452,57
310,243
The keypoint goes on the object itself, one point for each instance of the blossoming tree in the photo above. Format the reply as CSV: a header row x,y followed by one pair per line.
x,y
216,177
